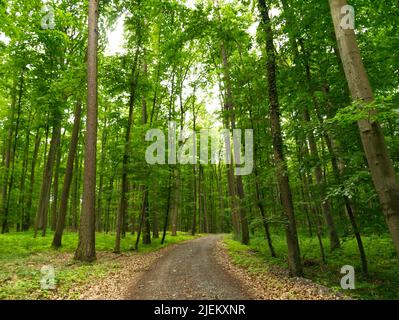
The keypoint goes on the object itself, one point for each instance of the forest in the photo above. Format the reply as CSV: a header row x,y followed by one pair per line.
x,y
110,112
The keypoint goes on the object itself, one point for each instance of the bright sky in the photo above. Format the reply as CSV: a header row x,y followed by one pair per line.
x,y
115,38
4,38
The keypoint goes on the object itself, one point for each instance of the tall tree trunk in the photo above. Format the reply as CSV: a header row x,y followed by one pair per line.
x,y
124,184
102,168
146,206
86,250
29,210
44,199
380,164
22,193
294,258
236,188
60,225
8,160
54,204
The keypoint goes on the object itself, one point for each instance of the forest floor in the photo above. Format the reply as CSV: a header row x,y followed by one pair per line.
x,y
381,282
205,268
22,258
201,269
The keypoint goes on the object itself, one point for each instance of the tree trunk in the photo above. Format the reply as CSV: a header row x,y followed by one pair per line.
x,y
21,200
60,225
8,161
54,204
124,184
44,199
86,250
101,183
29,210
236,189
294,259
380,164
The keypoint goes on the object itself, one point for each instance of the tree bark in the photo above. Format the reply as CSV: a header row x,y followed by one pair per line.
x,y
294,259
86,250
380,164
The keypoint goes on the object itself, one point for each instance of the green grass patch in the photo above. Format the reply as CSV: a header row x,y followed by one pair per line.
x,y
382,281
22,256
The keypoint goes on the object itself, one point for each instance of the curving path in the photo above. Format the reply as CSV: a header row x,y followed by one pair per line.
x,y
189,271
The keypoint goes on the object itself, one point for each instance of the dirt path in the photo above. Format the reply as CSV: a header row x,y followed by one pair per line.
x,y
189,271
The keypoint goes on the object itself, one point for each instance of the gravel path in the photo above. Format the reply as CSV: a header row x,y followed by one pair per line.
x,y
199,269
189,271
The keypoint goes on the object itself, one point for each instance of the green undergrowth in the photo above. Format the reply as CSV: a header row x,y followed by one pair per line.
x,y
22,257
382,281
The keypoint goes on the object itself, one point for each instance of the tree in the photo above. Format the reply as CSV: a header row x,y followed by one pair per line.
x,y
86,250
60,225
375,147
294,258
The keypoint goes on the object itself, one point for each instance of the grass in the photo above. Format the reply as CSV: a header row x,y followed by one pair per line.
x,y
22,257
382,281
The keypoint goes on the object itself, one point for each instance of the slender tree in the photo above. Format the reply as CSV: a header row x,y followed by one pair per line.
x,y
294,258
60,225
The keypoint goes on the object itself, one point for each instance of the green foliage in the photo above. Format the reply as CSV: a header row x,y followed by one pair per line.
x,y
381,282
172,69
21,259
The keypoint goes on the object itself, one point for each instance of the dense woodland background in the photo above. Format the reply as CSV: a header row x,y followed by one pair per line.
x,y
272,66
